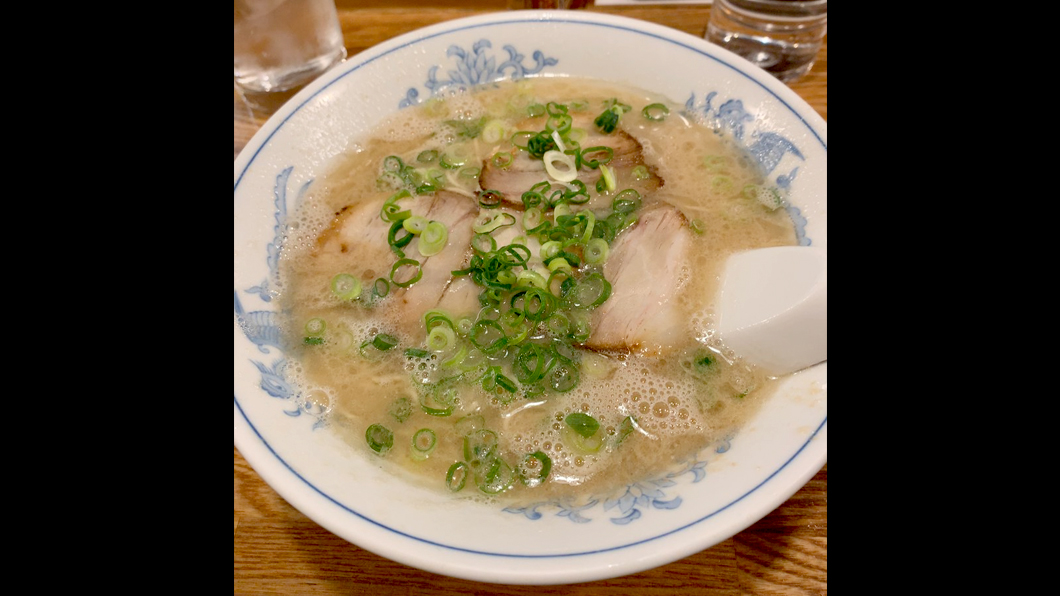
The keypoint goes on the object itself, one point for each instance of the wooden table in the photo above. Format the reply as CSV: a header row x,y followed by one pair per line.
x,y
277,550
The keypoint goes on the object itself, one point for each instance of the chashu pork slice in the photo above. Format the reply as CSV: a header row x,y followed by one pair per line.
x,y
525,171
646,271
356,242
458,213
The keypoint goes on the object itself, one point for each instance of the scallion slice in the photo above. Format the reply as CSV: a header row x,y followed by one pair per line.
x,y
423,443
626,202
535,468
582,423
384,342
379,438
315,327
409,279
436,401
502,159
656,112
414,224
381,287
483,243
567,171
346,287
596,251
495,477
441,338
487,335
490,199
457,475
564,377
480,445
433,238
401,409
488,222
607,177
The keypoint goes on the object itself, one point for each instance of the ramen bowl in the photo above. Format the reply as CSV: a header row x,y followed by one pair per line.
x,y
685,509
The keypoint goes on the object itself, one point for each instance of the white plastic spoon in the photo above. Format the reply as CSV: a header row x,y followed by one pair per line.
x,y
773,307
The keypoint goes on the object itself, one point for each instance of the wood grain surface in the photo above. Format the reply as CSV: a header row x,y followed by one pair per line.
x,y
277,550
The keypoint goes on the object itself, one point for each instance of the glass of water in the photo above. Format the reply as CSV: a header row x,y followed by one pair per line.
x,y
283,44
780,36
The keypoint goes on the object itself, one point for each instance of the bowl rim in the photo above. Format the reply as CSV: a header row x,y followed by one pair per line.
x,y
306,497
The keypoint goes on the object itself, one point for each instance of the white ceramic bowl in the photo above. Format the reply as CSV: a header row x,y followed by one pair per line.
x,y
659,521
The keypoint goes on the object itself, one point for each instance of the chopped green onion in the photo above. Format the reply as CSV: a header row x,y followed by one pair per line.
x,y
393,212
488,222
594,163
441,338
522,138
457,475
490,198
315,327
626,202
483,243
495,477
592,291
582,423
379,438
423,443
416,353
503,159
569,170
596,251
403,263
427,156
535,468
454,158
534,110
393,163
532,218
493,131
608,119
655,111
540,143
480,445
381,287
384,342
629,424
640,172
397,243
437,402
558,324
401,409
414,224
487,335
582,433
313,341
529,277
608,177
345,286
458,357
564,377
469,423
433,238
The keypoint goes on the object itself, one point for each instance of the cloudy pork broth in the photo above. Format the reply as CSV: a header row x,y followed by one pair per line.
x,y
507,294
